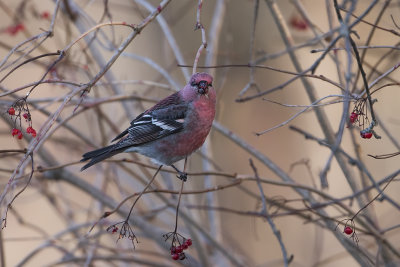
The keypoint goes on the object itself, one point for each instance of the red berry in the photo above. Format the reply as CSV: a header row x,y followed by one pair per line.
x,y
11,111
298,23
45,15
29,130
185,246
189,242
173,250
178,249
12,30
14,132
175,256
20,27
27,116
115,229
366,135
353,117
19,136
348,230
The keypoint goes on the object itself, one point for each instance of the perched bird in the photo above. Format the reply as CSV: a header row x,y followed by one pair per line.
x,y
169,131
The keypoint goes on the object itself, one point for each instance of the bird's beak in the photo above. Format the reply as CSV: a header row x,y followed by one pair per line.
x,y
202,90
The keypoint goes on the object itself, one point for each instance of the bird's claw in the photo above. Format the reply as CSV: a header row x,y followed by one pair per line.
x,y
182,176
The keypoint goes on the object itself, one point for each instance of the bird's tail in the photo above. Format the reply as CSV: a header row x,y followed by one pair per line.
x,y
98,155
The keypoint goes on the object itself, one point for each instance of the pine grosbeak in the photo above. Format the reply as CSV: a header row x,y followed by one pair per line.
x,y
169,131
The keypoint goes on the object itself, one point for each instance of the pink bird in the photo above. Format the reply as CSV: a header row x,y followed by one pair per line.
x,y
169,131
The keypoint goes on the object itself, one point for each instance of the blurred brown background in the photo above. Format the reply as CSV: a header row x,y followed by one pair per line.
x,y
54,206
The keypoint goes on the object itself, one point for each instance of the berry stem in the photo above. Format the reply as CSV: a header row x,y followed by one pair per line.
x,y
141,193
177,206
360,66
179,198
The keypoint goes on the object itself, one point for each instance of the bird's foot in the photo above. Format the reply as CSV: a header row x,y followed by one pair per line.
x,y
182,176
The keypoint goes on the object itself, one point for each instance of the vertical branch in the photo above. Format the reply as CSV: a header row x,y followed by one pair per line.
x,y
346,105
214,35
251,82
370,35
2,255
142,192
179,197
265,212
214,218
177,206
200,26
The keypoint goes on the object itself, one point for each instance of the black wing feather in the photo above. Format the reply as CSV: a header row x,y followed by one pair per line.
x,y
98,155
154,124
151,125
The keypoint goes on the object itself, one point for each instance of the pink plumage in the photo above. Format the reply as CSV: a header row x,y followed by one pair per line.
x,y
169,131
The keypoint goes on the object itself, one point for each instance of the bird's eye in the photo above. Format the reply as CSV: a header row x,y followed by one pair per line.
x,y
203,84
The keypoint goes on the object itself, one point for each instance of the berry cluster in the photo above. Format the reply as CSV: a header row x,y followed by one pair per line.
x,y
16,111
353,117
16,132
178,245
177,251
366,133
125,231
31,131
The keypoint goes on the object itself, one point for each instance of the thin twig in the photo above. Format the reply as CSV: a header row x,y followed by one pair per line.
x,y
200,26
264,211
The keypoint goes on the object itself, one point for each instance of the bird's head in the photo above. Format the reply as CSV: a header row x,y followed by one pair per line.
x,y
201,82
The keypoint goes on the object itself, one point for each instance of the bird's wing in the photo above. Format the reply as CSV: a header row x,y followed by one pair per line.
x,y
152,125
